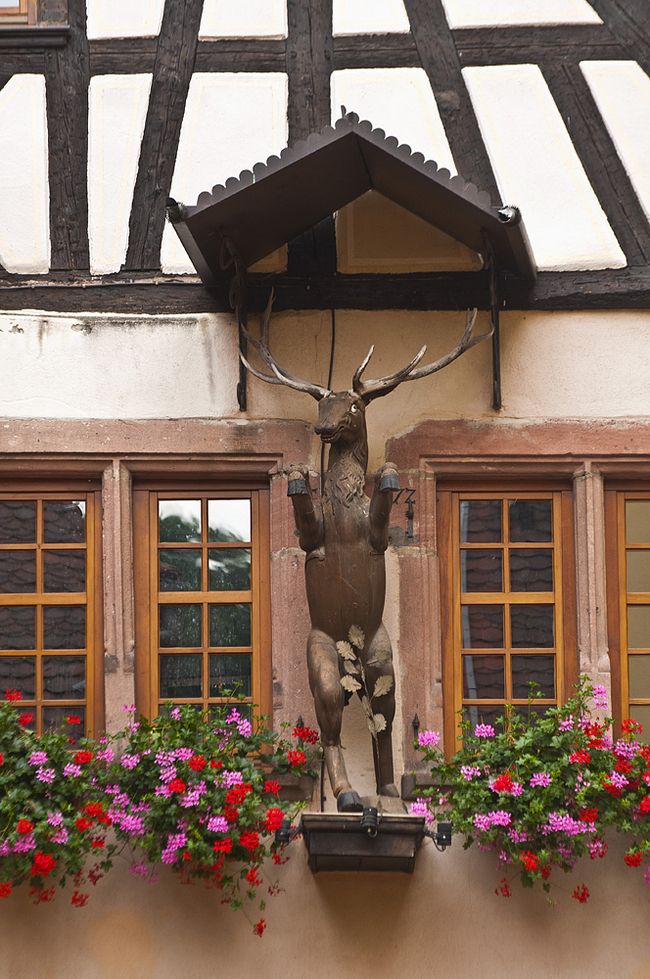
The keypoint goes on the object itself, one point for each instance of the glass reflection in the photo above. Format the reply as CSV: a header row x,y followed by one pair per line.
x,y
481,570
480,714
18,673
531,520
17,627
17,521
180,676
180,625
64,677
64,627
639,677
17,572
483,678
229,521
230,570
638,626
638,570
56,718
637,521
533,669
180,570
531,570
531,626
482,626
179,521
480,521
64,522
230,625
230,673
64,571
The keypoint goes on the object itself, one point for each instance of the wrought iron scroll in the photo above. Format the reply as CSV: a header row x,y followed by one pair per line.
x,y
238,297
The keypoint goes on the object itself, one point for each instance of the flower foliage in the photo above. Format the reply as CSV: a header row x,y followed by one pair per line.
x,y
540,791
53,813
195,793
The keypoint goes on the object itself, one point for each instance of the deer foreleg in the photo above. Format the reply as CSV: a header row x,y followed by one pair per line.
x,y
386,480
308,515
329,700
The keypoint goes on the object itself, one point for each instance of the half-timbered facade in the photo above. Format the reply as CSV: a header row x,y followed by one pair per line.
x,y
520,537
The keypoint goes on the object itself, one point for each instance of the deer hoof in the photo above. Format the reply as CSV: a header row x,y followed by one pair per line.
x,y
349,802
297,487
389,481
390,790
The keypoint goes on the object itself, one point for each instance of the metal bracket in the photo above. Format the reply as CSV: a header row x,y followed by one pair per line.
x,y
489,264
238,296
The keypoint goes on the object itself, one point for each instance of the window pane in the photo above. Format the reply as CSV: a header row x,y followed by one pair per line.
x,y
64,571
180,625
180,570
531,570
180,676
531,626
230,673
18,673
531,520
64,677
483,678
179,521
17,522
229,520
64,522
638,626
639,674
55,718
533,669
641,712
17,627
230,570
230,625
481,570
480,521
64,627
17,572
637,521
483,715
638,570
482,626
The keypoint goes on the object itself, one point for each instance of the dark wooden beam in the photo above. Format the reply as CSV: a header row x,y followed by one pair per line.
x,y
122,55
129,293
3,80
172,72
309,66
242,54
600,160
440,60
26,38
629,22
536,45
67,75
375,51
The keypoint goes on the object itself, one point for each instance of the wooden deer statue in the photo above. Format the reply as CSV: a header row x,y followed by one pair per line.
x,y
345,537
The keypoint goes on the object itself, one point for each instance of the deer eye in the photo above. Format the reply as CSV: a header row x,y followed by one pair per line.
x,y
353,408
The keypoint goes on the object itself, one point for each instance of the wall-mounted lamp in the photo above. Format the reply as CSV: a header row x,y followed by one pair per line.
x,y
442,838
370,820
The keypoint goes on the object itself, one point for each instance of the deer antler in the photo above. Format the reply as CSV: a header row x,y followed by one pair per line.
x,y
369,390
280,375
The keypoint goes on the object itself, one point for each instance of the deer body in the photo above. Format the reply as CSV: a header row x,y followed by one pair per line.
x,y
345,536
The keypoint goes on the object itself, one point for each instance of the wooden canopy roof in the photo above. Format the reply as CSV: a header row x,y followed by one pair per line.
x,y
278,200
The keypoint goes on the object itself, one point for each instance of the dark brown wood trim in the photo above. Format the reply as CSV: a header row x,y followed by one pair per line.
x,y
571,666
440,60
375,51
629,23
31,38
627,288
600,160
536,45
4,79
613,600
309,66
67,77
173,67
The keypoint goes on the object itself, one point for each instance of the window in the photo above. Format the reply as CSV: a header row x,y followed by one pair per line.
x,y
508,614
628,602
202,602
17,12
50,624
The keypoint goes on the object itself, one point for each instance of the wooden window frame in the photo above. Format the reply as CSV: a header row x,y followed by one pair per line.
x,y
565,650
94,699
147,596
25,14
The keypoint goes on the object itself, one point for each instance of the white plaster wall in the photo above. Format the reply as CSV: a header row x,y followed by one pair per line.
x,y
495,13
24,213
232,121
622,92
255,18
554,365
116,115
361,17
124,18
397,100
537,169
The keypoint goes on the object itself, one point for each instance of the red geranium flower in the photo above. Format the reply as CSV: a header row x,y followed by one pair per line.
x,y
580,757
630,726
5,889
13,695
71,719
82,823
98,844
581,894
588,815
43,864
24,826
25,719
274,819
223,846
273,787
633,859
197,762
644,805
83,757
259,927
529,860
504,889
296,758
177,785
79,900
250,840
306,734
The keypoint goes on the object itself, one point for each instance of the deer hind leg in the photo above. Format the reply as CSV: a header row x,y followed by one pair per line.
x,y
379,663
329,700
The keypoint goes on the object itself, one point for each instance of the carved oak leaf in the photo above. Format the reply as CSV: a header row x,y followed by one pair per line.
x,y
350,667
356,636
383,685
346,650
349,683
365,703
376,723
